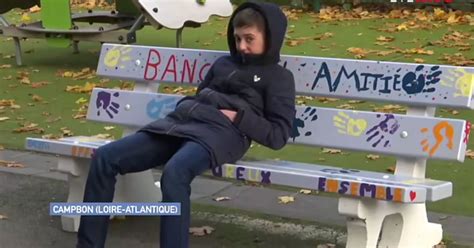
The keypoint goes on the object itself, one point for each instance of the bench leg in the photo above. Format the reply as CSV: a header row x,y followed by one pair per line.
x,y
77,170
373,223
75,47
134,187
18,57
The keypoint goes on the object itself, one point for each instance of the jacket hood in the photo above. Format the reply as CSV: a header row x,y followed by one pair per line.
x,y
274,33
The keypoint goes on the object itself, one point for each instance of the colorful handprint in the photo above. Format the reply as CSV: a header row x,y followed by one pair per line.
x,y
299,123
158,108
381,131
461,80
104,101
416,82
116,57
346,125
439,137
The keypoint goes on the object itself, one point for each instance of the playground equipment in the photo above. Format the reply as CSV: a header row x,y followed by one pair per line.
x,y
62,28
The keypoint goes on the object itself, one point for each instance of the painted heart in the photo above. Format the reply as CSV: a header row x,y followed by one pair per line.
x,y
256,78
412,195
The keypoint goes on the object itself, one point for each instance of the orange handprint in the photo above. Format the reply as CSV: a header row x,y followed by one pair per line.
x,y
449,133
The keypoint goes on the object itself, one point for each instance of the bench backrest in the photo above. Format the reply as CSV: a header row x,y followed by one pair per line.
x,y
413,136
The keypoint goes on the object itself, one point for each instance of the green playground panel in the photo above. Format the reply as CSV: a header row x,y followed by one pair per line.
x,y
56,14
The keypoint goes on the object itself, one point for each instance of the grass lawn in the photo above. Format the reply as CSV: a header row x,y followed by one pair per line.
x,y
52,107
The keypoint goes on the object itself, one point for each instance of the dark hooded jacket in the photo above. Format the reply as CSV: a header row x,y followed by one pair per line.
x,y
256,87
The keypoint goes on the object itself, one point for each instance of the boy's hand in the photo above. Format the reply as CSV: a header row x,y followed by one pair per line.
x,y
229,113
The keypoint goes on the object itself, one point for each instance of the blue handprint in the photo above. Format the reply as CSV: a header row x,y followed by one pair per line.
x,y
157,108
382,128
413,83
105,102
300,122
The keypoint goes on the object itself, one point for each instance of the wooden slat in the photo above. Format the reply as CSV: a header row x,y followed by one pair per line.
x,y
413,84
390,134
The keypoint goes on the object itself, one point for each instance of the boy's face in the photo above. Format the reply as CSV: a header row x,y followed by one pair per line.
x,y
249,40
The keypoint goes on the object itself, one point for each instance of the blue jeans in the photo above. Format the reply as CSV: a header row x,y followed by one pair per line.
x,y
183,160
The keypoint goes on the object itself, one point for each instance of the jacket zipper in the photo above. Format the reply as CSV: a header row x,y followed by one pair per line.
x,y
231,74
171,129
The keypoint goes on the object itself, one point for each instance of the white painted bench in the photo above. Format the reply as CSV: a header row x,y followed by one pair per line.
x,y
389,206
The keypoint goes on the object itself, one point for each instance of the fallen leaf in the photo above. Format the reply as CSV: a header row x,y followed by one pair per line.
x,y
79,116
66,132
81,100
373,157
390,108
3,217
50,119
25,80
286,199
67,74
346,106
38,84
35,9
418,60
6,66
355,101
25,18
7,102
323,36
293,43
29,127
222,198
358,52
402,27
305,191
9,77
331,151
417,51
108,128
36,98
51,136
201,231
102,136
384,53
391,169
11,164
87,88
470,154
4,118
453,18
324,99
382,38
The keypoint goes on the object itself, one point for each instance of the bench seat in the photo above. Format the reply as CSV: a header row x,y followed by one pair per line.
x,y
323,178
